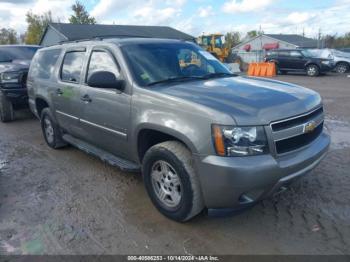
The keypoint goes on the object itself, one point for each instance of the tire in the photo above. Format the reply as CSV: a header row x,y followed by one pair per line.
x,y
278,70
342,68
240,62
312,70
282,72
173,160
6,109
230,58
51,130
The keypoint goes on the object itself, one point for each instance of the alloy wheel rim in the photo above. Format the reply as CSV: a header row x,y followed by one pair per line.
x,y
342,69
312,70
49,133
166,184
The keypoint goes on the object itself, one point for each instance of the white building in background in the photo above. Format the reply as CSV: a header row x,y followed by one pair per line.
x,y
253,50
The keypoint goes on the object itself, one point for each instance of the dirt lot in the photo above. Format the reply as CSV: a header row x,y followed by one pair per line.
x,y
67,202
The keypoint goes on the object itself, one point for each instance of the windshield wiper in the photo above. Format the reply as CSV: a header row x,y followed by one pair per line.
x,y
214,75
175,79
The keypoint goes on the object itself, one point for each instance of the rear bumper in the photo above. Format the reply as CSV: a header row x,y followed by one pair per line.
x,y
236,182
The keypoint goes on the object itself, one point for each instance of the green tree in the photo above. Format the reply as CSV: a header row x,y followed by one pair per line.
x,y
81,16
254,33
36,26
336,41
8,36
232,39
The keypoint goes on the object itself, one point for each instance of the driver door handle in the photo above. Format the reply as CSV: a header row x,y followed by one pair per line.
x,y
59,91
86,98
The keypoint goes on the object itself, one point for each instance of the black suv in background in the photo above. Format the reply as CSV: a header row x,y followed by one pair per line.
x,y
14,65
299,61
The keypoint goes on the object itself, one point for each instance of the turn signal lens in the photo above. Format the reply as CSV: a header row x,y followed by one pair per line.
x,y
218,140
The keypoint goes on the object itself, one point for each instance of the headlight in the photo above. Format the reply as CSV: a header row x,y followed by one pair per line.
x,y
9,77
239,141
325,62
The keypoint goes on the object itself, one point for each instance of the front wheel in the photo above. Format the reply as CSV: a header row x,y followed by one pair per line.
x,y
6,109
342,68
312,70
171,181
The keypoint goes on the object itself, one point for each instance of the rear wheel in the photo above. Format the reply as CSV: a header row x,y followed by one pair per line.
x,y
6,109
312,70
171,182
51,130
282,72
342,68
230,58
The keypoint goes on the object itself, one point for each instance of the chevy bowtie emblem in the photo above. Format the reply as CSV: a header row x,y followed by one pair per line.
x,y
309,127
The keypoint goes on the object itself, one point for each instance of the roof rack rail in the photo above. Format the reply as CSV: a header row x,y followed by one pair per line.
x,y
74,41
102,37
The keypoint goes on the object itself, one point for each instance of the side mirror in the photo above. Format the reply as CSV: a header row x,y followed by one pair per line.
x,y
105,79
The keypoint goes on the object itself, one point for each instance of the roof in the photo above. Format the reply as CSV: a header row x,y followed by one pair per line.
x,y
72,32
20,46
294,39
120,41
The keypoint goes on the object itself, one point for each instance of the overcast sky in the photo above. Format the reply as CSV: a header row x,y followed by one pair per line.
x,y
198,16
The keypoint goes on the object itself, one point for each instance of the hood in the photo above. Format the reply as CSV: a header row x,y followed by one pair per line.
x,y
15,65
250,101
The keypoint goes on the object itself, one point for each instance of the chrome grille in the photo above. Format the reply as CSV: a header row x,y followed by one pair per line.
x,y
296,132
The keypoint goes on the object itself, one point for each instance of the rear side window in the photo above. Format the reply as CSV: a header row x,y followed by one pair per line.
x,y
44,63
271,53
72,65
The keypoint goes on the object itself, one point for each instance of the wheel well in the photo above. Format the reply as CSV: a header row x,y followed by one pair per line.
x,y
313,64
148,138
40,105
343,62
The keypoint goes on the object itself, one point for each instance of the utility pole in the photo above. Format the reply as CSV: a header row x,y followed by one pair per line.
x,y
319,44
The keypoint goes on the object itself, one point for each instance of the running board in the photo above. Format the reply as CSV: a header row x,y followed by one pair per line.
x,y
122,164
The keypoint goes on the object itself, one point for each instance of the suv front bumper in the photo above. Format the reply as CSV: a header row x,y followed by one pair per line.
x,y
17,96
237,182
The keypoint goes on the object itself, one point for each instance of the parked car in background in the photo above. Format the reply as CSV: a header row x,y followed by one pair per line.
x,y
299,60
14,65
202,136
341,59
346,50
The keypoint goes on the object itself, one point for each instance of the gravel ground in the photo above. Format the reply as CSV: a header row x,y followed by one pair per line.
x,y
67,202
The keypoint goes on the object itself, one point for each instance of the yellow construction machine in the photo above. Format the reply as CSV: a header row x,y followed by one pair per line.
x,y
214,43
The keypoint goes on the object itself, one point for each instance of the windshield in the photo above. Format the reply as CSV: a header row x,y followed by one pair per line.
x,y
218,41
155,62
308,53
10,53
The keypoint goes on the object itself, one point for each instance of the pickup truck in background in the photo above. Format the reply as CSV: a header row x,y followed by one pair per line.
x,y
14,65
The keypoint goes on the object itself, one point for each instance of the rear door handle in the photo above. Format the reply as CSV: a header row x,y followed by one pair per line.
x,y
86,98
59,91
